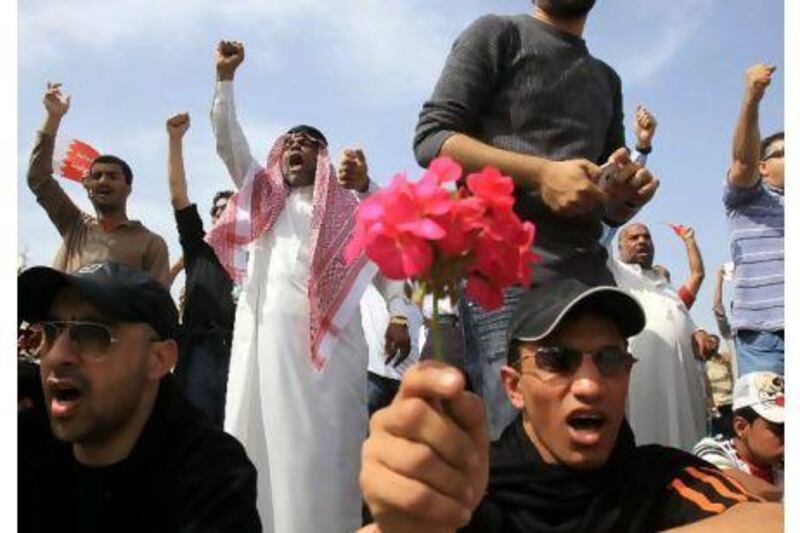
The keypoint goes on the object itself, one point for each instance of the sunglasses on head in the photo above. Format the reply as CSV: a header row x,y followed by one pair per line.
x,y
91,339
773,155
561,361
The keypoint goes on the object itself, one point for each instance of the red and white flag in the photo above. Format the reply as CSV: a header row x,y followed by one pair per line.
x,y
77,160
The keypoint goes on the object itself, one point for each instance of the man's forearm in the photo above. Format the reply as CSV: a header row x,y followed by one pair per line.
x,y
746,145
177,174
697,270
742,518
474,155
51,124
755,486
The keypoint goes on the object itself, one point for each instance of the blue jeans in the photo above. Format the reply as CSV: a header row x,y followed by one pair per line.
x,y
380,391
758,351
485,337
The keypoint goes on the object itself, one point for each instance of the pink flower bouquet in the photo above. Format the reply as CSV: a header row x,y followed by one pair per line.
x,y
438,234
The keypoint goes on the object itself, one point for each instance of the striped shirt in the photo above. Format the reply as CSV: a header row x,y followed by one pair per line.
x,y
722,453
755,220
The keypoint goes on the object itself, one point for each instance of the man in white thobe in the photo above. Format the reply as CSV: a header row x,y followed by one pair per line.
x,y
297,388
666,401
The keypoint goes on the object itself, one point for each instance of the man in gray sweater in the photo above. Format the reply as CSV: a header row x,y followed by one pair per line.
x,y
523,94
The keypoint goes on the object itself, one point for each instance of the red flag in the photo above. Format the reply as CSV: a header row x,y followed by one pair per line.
x,y
77,160
678,229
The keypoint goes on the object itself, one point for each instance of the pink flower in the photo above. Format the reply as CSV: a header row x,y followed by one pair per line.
x,y
424,231
484,293
494,188
394,226
445,169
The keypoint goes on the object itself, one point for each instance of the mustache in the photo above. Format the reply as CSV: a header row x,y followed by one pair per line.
x,y
72,374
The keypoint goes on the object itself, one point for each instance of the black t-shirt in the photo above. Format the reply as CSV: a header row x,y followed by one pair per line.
x,y
181,476
209,301
640,489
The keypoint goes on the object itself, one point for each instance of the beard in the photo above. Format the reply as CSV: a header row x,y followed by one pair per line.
x,y
566,9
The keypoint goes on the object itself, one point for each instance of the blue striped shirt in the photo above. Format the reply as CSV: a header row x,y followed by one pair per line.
x,y
755,221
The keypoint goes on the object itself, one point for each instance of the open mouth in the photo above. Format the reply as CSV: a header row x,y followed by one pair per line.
x,y
586,427
295,160
104,192
64,400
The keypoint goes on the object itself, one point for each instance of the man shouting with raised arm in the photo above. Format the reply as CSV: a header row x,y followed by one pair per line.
x,y
297,388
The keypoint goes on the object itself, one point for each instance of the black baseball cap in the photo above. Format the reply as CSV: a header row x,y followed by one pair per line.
x,y
124,294
311,131
543,308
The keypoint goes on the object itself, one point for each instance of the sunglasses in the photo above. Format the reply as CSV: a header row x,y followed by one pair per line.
x,y
559,361
773,155
91,339
302,139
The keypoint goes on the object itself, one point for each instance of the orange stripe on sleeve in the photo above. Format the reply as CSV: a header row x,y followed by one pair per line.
x,y
718,485
697,498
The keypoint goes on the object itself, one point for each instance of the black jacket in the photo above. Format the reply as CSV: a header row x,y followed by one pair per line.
x,y
181,476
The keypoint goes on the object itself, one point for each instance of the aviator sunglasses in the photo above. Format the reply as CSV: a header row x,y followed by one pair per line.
x,y
91,339
561,361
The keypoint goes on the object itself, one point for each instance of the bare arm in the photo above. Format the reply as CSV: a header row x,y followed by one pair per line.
x,y
719,308
742,518
175,269
697,271
755,486
567,187
747,137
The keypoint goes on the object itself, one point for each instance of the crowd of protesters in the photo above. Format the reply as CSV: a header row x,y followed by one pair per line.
x,y
291,390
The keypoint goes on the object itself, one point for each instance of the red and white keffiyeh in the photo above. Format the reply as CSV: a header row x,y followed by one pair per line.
x,y
334,286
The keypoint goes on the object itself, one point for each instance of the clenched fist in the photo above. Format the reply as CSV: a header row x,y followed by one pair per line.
x,y
757,79
230,55
644,126
55,104
352,171
178,124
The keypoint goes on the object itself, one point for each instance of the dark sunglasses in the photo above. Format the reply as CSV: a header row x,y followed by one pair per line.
x,y
773,155
91,339
611,361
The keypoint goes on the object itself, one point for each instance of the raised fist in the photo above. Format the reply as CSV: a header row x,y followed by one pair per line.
x,y
352,172
758,78
178,124
644,126
230,55
55,104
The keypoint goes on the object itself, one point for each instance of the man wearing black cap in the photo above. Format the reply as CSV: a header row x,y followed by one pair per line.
x,y
125,450
569,463
297,385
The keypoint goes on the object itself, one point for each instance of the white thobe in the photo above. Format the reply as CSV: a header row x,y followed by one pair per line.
x,y
666,399
301,427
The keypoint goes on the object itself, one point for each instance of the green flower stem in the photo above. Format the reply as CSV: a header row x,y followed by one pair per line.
x,y
435,333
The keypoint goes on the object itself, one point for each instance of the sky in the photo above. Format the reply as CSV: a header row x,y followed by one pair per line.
x,y
360,70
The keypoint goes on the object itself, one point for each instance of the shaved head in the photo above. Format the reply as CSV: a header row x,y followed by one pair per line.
x,y
636,245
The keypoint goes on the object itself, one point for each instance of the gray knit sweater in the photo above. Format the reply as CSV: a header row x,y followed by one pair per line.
x,y
521,85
